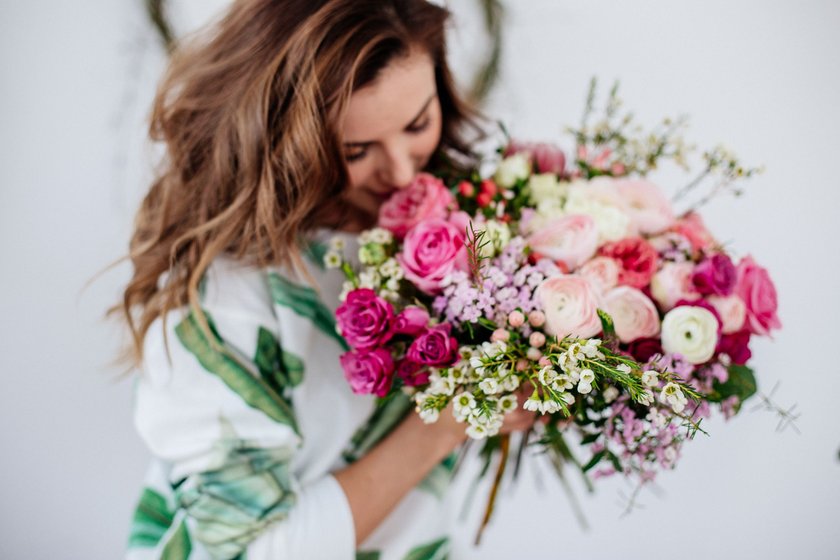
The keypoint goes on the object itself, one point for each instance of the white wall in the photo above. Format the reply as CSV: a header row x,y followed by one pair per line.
x,y
760,75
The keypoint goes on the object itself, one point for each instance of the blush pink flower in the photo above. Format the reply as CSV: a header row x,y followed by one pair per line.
x,y
634,314
649,210
732,311
638,260
758,292
364,319
368,372
547,158
602,273
691,227
425,198
571,240
570,306
435,347
672,283
432,250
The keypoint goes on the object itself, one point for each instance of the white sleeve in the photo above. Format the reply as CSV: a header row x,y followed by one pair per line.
x,y
227,429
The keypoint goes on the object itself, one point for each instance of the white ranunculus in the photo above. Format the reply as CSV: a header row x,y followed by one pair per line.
x,y
603,206
690,331
511,169
544,186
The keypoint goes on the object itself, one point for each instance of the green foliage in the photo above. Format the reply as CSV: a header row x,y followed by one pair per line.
x,y
741,384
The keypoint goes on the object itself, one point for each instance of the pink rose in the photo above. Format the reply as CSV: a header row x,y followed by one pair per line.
x,y
411,321
649,210
547,158
691,227
436,347
432,250
673,283
571,240
368,372
425,198
570,306
732,312
715,275
634,315
602,273
364,319
638,260
756,289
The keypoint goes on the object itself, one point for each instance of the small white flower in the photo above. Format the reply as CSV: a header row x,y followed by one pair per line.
x,y
670,454
511,169
623,368
476,431
346,288
650,378
510,383
567,398
587,376
533,403
562,383
429,415
332,259
337,244
369,279
646,398
610,394
549,406
508,403
547,375
672,395
489,386
390,268
381,236
393,284
657,418
584,388
476,362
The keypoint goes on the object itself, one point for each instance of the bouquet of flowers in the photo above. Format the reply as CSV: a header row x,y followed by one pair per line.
x,y
576,282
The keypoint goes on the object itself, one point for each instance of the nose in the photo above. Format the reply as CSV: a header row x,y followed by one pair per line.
x,y
398,168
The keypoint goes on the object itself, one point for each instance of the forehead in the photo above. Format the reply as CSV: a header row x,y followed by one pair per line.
x,y
392,101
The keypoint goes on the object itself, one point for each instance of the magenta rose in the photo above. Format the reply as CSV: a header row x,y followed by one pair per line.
x,y
736,346
411,321
364,319
368,372
644,349
425,198
755,287
435,347
638,260
432,250
715,275
547,158
412,373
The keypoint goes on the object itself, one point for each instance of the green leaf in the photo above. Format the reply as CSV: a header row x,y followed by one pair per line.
x,y
594,460
433,551
607,323
179,545
233,371
316,251
305,302
152,519
590,438
741,383
368,555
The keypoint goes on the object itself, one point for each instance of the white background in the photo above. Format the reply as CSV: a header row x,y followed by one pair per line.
x,y
77,79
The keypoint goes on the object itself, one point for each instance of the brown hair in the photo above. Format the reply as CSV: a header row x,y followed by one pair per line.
x,y
248,112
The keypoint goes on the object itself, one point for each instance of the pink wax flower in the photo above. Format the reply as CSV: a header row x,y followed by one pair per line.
x,y
432,250
425,198
691,227
365,319
547,158
672,283
411,321
736,346
638,260
368,372
715,275
649,209
634,315
570,306
758,292
571,240
435,347
412,373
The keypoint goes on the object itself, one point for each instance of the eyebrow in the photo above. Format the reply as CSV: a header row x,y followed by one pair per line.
x,y
413,121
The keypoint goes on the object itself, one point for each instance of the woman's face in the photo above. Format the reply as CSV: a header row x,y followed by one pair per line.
x,y
391,129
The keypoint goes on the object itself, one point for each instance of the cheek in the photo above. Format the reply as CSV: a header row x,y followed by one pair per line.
x,y
359,175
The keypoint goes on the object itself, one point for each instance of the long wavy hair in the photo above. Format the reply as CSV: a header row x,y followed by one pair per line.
x,y
248,112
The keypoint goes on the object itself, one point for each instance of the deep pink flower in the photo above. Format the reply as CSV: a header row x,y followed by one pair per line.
x,y
411,321
368,372
435,347
432,250
425,198
638,260
715,275
755,287
644,349
365,319
736,346
412,373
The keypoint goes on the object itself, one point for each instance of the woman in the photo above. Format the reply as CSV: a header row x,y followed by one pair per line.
x,y
288,119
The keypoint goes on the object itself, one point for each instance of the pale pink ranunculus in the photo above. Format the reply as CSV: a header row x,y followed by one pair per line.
x,y
691,227
547,158
572,240
425,198
602,273
732,311
570,306
758,292
432,250
673,283
634,314
649,210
